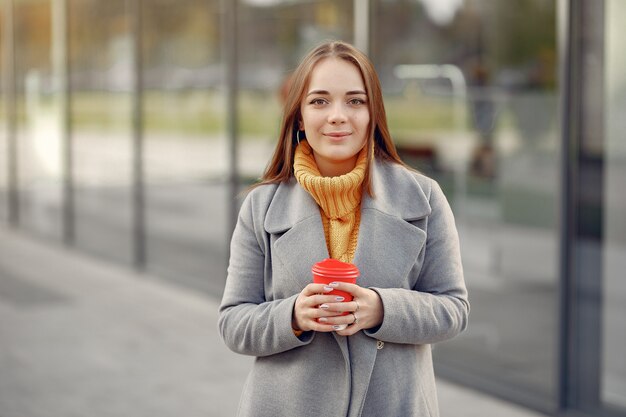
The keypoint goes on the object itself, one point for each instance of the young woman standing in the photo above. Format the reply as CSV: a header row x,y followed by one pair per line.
x,y
336,188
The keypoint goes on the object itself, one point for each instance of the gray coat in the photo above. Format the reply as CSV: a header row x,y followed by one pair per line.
x,y
407,251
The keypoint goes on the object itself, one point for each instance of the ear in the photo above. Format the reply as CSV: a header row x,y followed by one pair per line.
x,y
300,125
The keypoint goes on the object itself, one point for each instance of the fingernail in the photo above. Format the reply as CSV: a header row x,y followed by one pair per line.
x,y
322,319
334,284
328,288
324,306
339,298
340,326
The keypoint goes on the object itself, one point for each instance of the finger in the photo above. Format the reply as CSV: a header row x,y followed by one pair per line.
x,y
352,328
309,320
314,301
323,327
308,315
321,311
343,319
312,289
338,308
327,310
353,289
349,331
317,300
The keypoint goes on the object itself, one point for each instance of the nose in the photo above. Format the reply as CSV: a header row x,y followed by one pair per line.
x,y
337,114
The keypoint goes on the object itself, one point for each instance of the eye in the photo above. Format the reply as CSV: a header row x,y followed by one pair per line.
x,y
356,101
318,101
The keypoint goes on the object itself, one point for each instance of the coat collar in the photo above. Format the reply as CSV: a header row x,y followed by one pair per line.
x,y
385,231
396,193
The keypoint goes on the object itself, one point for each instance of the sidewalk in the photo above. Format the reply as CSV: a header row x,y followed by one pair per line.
x,y
82,337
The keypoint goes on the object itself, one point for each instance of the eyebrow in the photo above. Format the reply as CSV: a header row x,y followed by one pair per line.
x,y
348,93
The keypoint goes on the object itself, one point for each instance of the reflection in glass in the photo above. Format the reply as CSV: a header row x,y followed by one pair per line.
x,y
38,117
101,75
613,387
186,152
471,98
272,41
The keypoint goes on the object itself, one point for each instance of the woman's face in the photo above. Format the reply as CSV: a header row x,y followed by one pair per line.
x,y
335,115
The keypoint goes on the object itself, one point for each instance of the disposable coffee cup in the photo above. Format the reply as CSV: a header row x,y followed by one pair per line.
x,y
333,270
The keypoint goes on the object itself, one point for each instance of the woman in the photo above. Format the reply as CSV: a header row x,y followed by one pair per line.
x,y
336,187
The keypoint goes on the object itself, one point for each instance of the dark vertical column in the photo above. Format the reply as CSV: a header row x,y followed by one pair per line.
x,y
582,75
138,218
589,239
569,169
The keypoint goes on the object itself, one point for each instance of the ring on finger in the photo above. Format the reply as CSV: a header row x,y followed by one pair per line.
x,y
357,306
356,319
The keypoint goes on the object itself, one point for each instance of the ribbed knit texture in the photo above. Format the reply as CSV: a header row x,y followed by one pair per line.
x,y
339,199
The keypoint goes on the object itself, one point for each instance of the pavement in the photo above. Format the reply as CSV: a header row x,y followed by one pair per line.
x,y
80,336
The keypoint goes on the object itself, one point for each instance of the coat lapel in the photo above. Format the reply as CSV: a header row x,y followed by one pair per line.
x,y
388,244
294,217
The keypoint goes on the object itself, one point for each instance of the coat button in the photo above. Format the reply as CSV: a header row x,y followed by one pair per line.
x,y
380,344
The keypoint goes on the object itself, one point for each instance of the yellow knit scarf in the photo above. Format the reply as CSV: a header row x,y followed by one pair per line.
x,y
339,199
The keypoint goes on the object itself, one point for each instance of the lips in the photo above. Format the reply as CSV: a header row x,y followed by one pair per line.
x,y
338,134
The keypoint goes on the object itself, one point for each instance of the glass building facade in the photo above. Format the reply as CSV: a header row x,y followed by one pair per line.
x,y
129,128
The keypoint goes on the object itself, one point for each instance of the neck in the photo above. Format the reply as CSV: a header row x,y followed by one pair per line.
x,y
334,168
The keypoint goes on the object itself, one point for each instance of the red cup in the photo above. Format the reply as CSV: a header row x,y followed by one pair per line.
x,y
332,270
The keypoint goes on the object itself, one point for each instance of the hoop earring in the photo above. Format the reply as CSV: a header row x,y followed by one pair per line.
x,y
298,139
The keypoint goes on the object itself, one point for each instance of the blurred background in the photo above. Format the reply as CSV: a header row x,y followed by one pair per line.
x,y
129,128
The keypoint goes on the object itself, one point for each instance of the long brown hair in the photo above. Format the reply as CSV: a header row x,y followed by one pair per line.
x,y
280,168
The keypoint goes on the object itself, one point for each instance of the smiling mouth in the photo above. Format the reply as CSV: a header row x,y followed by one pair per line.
x,y
337,134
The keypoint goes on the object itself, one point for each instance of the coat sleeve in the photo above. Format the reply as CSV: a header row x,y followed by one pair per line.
x,y
437,308
248,322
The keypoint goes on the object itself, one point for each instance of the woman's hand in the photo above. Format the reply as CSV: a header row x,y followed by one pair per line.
x,y
366,308
316,310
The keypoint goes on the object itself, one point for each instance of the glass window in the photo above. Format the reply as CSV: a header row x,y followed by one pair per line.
x,y
39,128
273,37
186,148
101,116
471,97
613,386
